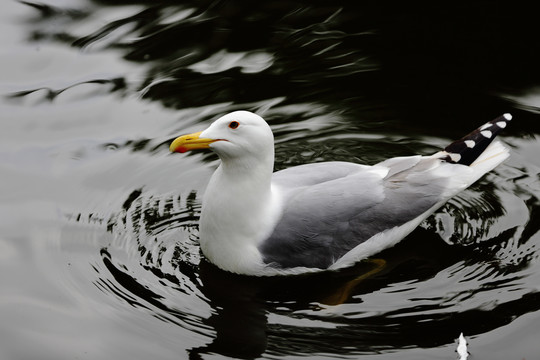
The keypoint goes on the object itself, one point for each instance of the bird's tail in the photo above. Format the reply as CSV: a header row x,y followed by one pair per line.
x,y
470,148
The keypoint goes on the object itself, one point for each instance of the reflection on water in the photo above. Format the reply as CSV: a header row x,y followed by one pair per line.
x,y
99,224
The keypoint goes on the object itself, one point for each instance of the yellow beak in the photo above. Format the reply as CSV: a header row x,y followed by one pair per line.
x,y
190,142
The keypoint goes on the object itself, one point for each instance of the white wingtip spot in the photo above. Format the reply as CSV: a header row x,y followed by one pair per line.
x,y
470,143
486,133
501,124
454,157
485,126
508,116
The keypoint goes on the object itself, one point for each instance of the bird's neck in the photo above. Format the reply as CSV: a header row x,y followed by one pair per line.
x,y
257,172
240,209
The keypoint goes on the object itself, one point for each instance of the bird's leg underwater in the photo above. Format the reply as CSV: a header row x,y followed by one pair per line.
x,y
343,293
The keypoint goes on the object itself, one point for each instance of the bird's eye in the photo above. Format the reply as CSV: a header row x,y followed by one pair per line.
x,y
234,124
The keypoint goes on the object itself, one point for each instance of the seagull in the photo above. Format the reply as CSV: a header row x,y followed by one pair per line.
x,y
321,216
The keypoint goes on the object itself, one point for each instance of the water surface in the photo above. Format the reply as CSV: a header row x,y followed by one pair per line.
x,y
99,254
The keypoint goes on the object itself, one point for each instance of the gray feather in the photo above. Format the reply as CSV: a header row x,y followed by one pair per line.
x,y
330,208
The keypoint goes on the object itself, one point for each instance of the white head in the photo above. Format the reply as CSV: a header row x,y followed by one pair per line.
x,y
238,135
241,133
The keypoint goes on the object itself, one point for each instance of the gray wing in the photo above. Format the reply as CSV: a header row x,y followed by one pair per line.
x,y
330,208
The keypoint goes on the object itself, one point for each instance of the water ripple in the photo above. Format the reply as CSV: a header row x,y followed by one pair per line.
x,y
100,223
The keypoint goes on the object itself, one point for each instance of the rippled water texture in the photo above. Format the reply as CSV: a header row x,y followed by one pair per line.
x,y
99,254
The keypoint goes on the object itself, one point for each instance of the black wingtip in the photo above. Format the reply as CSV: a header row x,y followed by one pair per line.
x,y
467,149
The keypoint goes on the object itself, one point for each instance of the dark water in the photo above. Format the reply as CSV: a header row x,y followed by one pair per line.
x,y
98,223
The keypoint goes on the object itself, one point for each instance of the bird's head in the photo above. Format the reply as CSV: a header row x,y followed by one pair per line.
x,y
235,135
